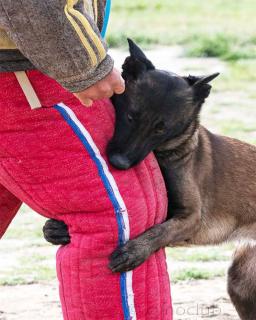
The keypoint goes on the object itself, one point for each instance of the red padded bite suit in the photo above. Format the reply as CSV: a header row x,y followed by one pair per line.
x,y
54,160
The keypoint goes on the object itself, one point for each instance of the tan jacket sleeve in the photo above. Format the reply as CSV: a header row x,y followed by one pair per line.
x,y
60,38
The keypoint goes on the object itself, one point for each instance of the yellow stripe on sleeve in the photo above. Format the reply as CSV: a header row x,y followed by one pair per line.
x,y
83,39
72,3
95,4
92,34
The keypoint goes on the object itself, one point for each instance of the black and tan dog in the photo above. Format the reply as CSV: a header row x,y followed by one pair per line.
x,y
210,179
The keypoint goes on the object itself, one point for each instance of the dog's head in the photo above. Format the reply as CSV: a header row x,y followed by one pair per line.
x,y
157,106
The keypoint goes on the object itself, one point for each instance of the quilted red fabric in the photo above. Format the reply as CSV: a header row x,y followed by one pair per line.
x,y
54,160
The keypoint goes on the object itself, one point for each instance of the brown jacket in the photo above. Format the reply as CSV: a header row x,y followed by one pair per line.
x,y
59,37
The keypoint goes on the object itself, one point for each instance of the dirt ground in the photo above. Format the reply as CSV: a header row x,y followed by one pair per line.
x,y
40,301
212,301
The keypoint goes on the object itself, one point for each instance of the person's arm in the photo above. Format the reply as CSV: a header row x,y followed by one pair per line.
x,y
59,38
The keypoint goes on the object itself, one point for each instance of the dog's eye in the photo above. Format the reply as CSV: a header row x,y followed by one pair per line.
x,y
160,128
129,117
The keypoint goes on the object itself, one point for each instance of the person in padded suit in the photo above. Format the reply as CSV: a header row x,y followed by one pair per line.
x,y
53,63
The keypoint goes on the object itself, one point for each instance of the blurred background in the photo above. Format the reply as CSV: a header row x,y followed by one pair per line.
x,y
187,37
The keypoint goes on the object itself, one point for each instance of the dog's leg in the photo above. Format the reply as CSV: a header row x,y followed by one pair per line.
x,y
136,251
185,210
242,282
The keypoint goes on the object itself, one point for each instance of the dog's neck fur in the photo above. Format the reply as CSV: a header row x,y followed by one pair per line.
x,y
179,150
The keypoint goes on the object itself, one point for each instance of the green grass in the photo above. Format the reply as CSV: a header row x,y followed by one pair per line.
x,y
28,275
224,29
222,46
239,75
198,263
196,274
26,258
202,254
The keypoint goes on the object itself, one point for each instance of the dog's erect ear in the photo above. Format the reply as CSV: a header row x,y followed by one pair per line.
x,y
135,50
136,64
201,86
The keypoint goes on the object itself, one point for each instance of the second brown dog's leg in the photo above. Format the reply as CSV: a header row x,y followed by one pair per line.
x,y
242,282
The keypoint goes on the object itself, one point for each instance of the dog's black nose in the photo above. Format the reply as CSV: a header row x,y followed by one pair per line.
x,y
119,161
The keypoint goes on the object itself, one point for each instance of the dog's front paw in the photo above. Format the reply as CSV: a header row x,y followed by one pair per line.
x,y
129,256
56,232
